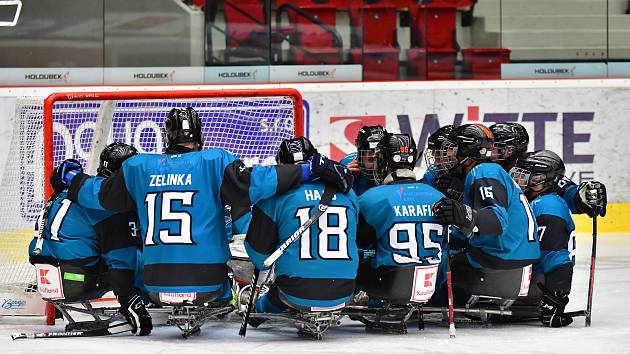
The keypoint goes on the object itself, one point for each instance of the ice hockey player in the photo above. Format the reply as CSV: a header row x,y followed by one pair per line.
x,y
447,183
511,140
361,162
317,272
494,221
537,173
90,251
179,197
396,219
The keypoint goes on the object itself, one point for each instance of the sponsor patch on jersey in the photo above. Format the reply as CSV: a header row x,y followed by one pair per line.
x,y
525,280
331,308
49,282
177,298
424,283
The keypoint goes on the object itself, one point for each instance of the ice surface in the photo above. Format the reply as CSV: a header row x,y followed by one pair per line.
x,y
609,333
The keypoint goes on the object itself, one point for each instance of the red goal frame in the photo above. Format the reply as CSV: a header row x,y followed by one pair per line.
x,y
173,94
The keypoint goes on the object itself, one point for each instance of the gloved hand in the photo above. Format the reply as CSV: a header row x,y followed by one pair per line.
x,y
329,171
137,316
452,187
451,212
63,175
552,310
591,197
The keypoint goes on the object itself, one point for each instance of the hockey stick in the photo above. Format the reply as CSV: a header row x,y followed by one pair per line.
x,y
591,281
449,287
114,329
43,219
250,302
329,192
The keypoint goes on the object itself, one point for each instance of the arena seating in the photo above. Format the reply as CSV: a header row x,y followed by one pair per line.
x,y
313,32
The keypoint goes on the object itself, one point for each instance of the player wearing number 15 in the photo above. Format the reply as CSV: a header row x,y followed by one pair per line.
x,y
316,272
179,197
495,220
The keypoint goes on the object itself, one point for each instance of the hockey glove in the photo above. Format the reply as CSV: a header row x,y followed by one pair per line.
x,y
137,316
62,176
552,310
591,197
330,172
451,212
452,187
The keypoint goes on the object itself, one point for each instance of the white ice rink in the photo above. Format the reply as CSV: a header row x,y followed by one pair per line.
x,y
610,331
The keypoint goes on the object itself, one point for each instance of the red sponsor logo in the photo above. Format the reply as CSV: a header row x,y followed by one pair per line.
x,y
350,127
427,280
42,277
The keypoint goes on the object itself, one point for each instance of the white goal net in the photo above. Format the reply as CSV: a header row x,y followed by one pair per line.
x,y
248,123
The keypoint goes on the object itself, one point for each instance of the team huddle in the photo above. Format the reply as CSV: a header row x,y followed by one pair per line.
x,y
152,227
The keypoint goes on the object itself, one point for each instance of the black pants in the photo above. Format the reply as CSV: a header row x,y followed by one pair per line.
x,y
468,281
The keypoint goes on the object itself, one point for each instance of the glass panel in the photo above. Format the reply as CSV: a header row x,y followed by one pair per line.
x,y
153,33
559,30
237,32
53,33
619,33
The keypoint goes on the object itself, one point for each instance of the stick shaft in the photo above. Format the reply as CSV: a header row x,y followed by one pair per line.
x,y
591,282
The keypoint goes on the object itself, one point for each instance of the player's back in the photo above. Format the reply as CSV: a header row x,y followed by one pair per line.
x,y
323,263
401,215
180,209
69,234
556,232
488,186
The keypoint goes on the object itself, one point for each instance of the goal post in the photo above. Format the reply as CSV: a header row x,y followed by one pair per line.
x,y
276,110
248,123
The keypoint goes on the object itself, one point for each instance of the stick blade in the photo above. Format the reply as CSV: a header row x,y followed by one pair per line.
x,y
15,336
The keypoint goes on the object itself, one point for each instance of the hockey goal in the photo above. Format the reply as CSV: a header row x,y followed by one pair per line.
x,y
249,123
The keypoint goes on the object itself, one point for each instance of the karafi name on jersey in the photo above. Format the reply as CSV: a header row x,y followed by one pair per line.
x,y
413,210
313,194
171,179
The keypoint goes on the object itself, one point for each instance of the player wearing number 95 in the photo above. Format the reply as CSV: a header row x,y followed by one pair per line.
x,y
397,220
494,222
318,270
179,197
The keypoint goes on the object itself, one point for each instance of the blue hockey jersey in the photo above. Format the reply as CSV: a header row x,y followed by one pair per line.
x,y
179,199
398,220
319,269
85,237
361,183
506,236
556,232
429,177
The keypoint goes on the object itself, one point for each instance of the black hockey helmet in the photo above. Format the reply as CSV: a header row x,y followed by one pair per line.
x,y
183,126
539,167
394,152
112,158
510,140
434,143
366,141
295,150
466,142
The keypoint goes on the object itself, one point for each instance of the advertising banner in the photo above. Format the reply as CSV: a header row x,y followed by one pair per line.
x,y
586,126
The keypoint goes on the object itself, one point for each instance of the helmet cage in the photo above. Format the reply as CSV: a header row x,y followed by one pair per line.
x,y
442,160
366,158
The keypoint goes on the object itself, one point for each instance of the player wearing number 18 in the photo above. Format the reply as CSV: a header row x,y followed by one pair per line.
x,y
316,272
179,197
494,224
